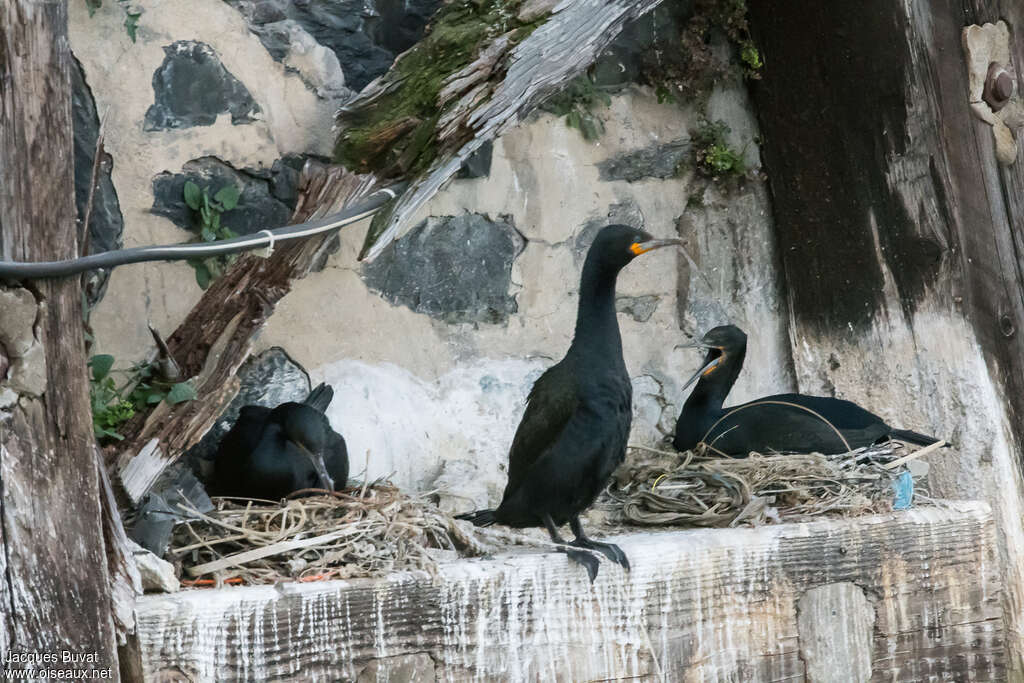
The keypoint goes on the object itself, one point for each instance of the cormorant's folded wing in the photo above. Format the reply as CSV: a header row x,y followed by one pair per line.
x,y
550,405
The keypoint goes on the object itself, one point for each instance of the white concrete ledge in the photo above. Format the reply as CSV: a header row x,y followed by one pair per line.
x,y
899,597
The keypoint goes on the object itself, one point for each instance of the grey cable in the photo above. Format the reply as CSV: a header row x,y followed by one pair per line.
x,y
15,270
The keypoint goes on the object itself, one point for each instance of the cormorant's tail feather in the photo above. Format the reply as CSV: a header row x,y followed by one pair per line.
x,y
320,397
914,437
479,517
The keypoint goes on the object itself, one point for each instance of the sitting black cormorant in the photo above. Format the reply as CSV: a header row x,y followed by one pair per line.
x,y
788,423
574,431
269,453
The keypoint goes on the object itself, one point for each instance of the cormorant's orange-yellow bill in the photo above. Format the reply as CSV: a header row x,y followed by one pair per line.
x,y
643,247
708,368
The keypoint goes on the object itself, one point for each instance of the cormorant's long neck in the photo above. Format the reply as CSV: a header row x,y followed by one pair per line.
x,y
597,329
712,389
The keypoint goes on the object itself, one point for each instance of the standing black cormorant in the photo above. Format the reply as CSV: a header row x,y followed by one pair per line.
x,y
787,423
269,453
574,431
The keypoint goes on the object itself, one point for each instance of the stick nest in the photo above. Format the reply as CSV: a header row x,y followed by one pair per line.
x,y
365,532
696,489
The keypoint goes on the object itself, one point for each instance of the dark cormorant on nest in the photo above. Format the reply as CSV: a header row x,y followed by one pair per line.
x,y
270,453
786,423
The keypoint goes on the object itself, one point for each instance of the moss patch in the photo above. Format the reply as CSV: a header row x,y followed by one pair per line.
x,y
395,134
576,103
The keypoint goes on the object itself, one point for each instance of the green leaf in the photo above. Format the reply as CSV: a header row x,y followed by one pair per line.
x,y
227,233
215,222
131,23
227,197
591,126
93,5
102,432
154,398
572,119
180,393
192,195
208,234
202,276
101,365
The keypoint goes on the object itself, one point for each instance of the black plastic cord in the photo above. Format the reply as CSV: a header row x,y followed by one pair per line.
x,y
176,252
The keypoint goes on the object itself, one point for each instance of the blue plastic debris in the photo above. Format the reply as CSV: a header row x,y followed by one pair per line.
x,y
904,487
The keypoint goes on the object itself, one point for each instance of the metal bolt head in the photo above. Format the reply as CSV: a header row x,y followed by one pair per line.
x,y
999,85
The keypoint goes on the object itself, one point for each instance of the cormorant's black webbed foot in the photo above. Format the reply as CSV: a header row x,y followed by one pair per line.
x,y
583,557
609,550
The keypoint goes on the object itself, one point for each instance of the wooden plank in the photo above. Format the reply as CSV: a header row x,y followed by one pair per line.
x,y
703,605
54,591
835,625
901,236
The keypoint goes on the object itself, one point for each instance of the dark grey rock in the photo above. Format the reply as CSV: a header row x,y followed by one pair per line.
x,y
478,164
366,35
192,87
454,268
400,23
656,161
106,224
640,308
154,522
268,380
259,206
627,57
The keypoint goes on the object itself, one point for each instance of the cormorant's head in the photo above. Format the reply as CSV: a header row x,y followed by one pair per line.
x,y
722,342
617,245
304,426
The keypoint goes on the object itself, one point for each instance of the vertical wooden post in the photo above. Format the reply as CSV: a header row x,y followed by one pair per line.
x,y
901,236
54,592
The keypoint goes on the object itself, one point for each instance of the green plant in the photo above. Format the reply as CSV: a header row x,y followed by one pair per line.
x,y
575,102
713,154
131,15
208,213
109,408
751,57
112,405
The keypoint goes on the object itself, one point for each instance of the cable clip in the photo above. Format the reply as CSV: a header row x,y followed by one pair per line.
x,y
268,250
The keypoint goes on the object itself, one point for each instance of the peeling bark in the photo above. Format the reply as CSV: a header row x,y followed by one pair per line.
x,y
54,594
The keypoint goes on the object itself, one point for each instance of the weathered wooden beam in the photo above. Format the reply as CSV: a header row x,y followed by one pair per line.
x,y
54,590
901,235
707,605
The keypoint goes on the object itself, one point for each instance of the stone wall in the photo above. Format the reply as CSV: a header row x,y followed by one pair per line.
x,y
432,347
